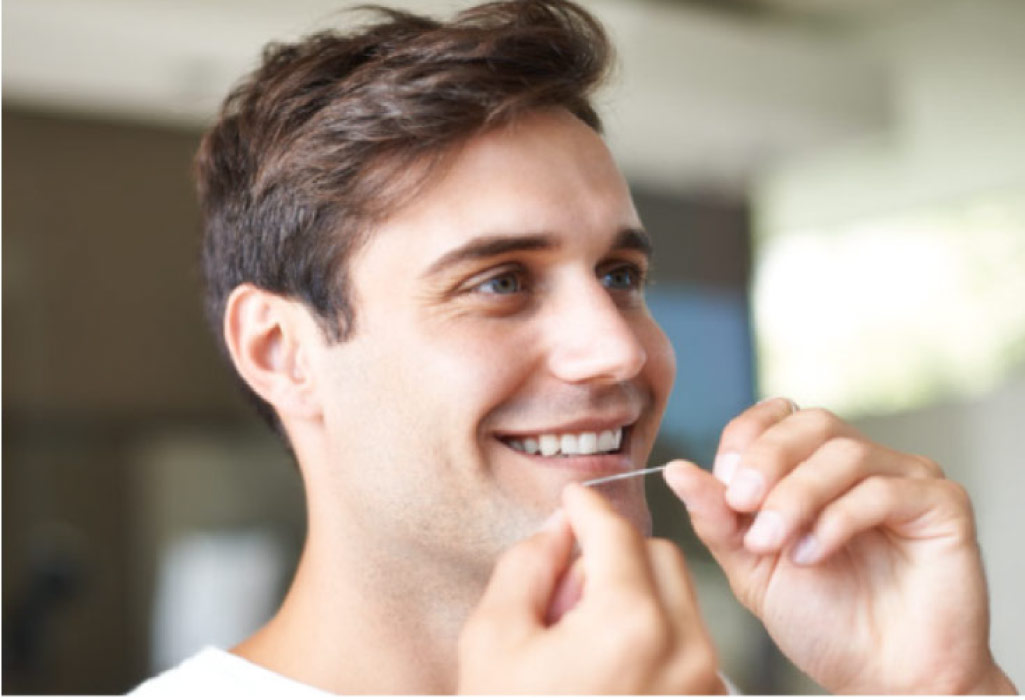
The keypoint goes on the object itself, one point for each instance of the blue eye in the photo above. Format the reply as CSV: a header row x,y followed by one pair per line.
x,y
623,277
505,283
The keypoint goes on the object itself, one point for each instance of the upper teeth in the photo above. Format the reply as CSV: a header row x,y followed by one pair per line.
x,y
550,444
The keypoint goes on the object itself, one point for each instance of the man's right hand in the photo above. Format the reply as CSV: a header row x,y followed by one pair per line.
x,y
635,629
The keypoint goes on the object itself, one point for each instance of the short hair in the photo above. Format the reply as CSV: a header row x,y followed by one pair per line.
x,y
318,143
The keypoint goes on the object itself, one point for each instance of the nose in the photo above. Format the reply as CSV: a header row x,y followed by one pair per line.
x,y
592,340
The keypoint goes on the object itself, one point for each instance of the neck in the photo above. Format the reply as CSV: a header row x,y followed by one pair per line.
x,y
357,622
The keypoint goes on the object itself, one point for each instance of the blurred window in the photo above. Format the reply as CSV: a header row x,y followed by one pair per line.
x,y
893,312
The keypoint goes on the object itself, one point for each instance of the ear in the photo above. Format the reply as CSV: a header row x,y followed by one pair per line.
x,y
269,338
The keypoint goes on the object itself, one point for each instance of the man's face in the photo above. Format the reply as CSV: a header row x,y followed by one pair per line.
x,y
500,327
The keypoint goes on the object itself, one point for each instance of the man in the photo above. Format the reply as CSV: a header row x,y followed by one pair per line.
x,y
428,271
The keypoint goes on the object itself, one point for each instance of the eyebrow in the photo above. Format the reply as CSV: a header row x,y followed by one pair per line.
x,y
634,239
484,247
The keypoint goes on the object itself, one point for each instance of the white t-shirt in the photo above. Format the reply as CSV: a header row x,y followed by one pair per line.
x,y
214,672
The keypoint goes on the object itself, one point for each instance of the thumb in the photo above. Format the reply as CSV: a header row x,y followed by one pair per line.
x,y
714,522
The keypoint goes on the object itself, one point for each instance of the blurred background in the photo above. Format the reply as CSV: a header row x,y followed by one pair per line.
x,y
836,189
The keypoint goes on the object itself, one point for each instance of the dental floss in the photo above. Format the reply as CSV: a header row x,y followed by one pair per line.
x,y
624,475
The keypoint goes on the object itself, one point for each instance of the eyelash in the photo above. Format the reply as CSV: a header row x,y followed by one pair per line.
x,y
518,274
639,279
637,274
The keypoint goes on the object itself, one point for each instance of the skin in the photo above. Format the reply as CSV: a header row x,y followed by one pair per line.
x,y
820,530
634,630
868,575
413,495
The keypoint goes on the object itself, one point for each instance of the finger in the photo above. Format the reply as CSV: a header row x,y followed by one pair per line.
x,y
714,522
744,429
704,497
910,508
568,592
523,582
673,582
612,551
836,467
777,451
679,601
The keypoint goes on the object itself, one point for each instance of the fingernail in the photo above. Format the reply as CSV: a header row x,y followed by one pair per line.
x,y
806,550
746,489
554,521
725,466
794,408
767,531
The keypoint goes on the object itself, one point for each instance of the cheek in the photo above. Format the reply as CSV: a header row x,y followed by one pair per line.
x,y
450,368
483,367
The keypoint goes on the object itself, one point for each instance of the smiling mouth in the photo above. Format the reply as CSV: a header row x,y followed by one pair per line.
x,y
570,444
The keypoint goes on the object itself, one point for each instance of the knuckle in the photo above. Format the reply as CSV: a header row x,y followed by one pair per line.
x,y
962,512
646,630
959,495
737,433
843,515
838,518
743,429
781,405
820,421
797,502
878,488
850,450
766,455
926,468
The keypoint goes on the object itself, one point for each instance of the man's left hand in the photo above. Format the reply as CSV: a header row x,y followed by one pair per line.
x,y
862,562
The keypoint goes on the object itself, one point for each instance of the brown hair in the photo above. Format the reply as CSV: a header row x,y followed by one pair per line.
x,y
318,142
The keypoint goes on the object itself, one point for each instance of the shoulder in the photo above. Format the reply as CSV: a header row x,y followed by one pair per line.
x,y
214,671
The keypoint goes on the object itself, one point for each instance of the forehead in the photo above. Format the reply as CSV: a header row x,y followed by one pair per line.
x,y
547,172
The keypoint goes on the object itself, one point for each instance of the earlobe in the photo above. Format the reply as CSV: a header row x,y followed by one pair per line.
x,y
267,340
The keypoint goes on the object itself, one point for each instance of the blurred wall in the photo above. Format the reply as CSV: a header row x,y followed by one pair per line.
x,y
103,343
956,79
101,280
